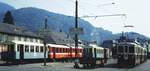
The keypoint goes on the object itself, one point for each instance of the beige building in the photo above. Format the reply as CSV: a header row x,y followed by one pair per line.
x,y
11,33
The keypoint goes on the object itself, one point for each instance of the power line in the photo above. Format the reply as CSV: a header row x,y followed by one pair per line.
x,y
95,16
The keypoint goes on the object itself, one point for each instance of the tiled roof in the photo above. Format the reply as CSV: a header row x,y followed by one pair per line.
x,y
58,38
16,30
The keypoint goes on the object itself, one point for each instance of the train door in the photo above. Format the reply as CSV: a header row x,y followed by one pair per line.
x,y
105,53
95,53
95,56
21,47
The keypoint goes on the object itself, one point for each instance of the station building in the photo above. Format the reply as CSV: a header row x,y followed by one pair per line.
x,y
12,33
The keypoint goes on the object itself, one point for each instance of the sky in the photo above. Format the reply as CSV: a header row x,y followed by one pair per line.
x,y
137,12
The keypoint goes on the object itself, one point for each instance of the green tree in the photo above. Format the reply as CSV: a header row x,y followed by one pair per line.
x,y
8,18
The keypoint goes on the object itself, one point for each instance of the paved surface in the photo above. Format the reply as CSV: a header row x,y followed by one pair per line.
x,y
69,67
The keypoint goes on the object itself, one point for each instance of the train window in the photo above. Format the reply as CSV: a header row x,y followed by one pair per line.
x,y
18,47
64,50
80,50
126,48
131,49
73,50
90,50
120,49
37,48
31,48
60,50
69,50
41,49
56,50
26,48
51,49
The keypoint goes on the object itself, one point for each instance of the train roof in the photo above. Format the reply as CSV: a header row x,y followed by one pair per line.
x,y
27,43
92,46
131,43
55,45
16,30
61,46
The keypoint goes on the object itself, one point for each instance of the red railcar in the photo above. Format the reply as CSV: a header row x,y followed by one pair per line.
x,y
62,52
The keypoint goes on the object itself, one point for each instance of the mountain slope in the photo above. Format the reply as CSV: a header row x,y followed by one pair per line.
x,y
33,19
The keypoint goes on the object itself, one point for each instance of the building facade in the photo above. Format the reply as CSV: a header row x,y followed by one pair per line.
x,y
12,35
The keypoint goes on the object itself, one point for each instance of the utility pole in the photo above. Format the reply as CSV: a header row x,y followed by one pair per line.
x,y
44,41
76,35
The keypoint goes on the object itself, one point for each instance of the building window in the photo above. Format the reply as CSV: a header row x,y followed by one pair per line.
x,y
41,41
25,38
18,48
19,38
26,48
31,39
5,37
36,40
37,48
31,48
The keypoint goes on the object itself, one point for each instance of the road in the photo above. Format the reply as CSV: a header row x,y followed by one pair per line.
x,y
69,67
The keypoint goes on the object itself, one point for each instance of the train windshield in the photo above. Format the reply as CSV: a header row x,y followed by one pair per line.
x,y
87,50
131,49
120,49
126,48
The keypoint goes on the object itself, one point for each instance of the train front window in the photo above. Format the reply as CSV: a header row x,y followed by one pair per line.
x,y
131,49
126,48
120,49
18,48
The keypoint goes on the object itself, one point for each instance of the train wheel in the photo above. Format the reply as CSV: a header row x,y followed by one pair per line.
x,y
93,65
84,65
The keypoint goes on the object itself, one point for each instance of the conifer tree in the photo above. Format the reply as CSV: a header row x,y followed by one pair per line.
x,y
8,18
